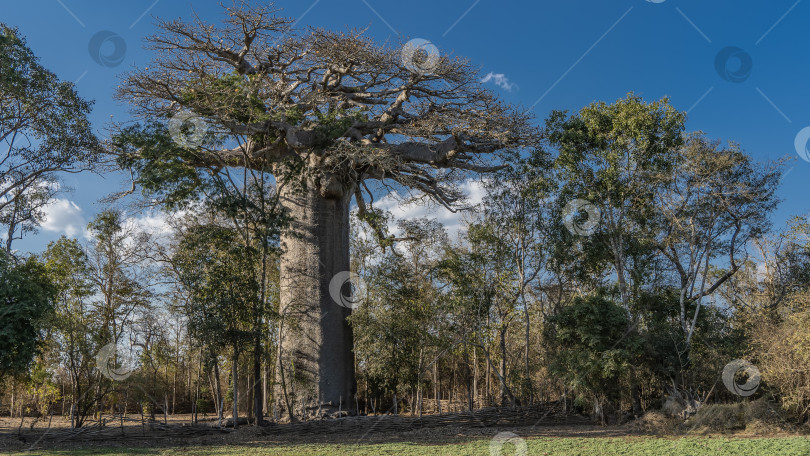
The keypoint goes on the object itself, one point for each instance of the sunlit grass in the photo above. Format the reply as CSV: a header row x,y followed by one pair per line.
x,y
783,446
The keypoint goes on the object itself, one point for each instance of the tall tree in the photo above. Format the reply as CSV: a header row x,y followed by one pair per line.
x,y
326,113
713,203
44,130
122,279
74,337
609,156
399,325
484,288
219,275
516,209
116,254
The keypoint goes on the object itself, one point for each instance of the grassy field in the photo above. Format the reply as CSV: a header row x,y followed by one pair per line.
x,y
785,446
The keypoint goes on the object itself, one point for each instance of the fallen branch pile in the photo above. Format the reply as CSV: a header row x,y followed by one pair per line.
x,y
540,415
109,429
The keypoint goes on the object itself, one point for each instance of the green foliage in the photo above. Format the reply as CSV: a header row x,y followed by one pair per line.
x,y
333,124
398,327
595,346
162,166
114,254
38,106
26,301
375,217
45,130
68,267
612,139
218,272
73,339
43,389
391,327
611,155
204,406
231,97
171,174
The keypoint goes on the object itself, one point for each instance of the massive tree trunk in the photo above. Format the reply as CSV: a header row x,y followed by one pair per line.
x,y
316,360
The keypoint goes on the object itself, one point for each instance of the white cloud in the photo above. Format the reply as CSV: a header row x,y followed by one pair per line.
x,y
64,216
153,223
157,225
500,80
453,222
762,271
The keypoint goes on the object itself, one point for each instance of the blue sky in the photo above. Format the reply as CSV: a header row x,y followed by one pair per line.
x,y
548,55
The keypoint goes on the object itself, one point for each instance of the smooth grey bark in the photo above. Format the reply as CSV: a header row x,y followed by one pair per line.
x,y
316,357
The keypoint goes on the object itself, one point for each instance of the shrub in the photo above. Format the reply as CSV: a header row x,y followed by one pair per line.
x,y
783,353
593,350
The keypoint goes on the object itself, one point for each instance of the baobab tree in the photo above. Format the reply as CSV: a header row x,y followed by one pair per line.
x,y
331,116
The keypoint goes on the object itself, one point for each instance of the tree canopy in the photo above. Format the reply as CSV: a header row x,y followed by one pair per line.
x,y
45,130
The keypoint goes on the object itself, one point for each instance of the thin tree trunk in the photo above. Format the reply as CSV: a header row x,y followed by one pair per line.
x,y
436,386
235,378
528,377
176,368
264,388
419,398
258,405
213,390
197,383
498,374
218,386
189,392
503,367
469,378
489,374
475,374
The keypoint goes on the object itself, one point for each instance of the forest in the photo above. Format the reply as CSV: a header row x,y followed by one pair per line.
x,y
608,259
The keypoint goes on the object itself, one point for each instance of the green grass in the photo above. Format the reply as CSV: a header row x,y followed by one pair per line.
x,y
698,446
